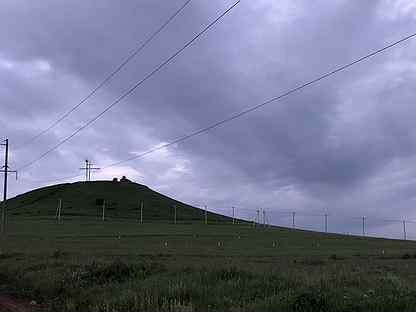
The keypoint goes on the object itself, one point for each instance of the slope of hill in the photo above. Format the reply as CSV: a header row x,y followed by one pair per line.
x,y
122,200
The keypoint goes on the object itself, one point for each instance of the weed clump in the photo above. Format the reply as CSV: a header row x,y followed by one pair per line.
x,y
335,257
310,300
114,272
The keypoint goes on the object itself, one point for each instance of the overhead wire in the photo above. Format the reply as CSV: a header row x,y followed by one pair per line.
x,y
132,89
261,105
107,78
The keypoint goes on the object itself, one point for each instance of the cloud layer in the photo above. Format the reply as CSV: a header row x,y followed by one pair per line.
x,y
345,146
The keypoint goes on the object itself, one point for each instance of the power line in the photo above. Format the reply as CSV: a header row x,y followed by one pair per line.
x,y
257,107
110,76
133,88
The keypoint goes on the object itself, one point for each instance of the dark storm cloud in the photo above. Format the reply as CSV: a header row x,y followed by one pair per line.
x,y
323,146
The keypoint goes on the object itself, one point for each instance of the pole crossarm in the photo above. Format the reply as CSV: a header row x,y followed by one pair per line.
x,y
89,166
10,171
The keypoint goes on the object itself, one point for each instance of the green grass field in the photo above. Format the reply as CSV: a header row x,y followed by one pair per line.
x,y
88,265
85,264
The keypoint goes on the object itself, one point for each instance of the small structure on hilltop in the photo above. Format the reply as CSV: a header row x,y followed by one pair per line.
x,y
124,179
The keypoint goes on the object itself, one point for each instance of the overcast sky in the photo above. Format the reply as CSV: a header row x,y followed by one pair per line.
x,y
345,146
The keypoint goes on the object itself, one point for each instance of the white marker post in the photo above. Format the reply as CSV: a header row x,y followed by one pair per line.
x,y
59,210
233,215
141,212
103,217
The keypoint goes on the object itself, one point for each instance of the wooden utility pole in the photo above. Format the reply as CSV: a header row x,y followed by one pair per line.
x,y
293,219
363,226
86,168
89,166
6,172
404,230
326,223
264,218
233,216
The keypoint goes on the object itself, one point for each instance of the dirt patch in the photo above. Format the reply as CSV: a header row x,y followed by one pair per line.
x,y
10,304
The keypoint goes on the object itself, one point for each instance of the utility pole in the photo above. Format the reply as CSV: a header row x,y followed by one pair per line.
x,y
6,172
404,230
264,218
293,219
258,217
88,169
206,215
363,226
233,216
326,223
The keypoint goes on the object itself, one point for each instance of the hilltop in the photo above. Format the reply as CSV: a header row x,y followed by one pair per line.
x,y
122,200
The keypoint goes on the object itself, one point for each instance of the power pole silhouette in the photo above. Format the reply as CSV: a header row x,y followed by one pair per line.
x,y
6,172
88,168
363,226
326,223
293,219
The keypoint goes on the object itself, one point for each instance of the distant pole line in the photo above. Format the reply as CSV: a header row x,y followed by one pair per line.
x,y
404,230
131,89
110,75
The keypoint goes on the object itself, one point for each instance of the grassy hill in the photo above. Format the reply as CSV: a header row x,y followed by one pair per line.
x,y
122,200
84,264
